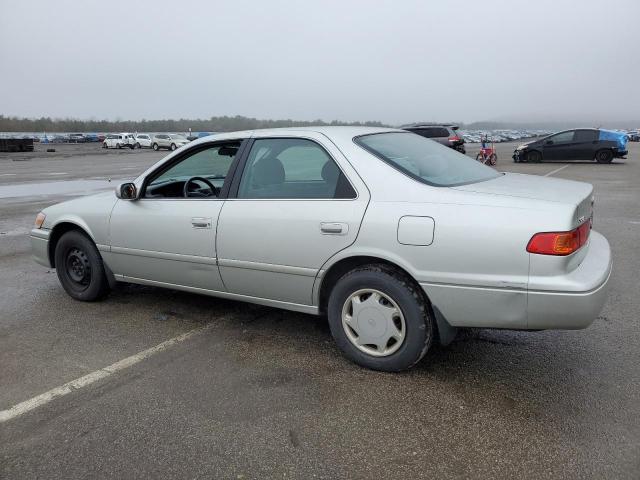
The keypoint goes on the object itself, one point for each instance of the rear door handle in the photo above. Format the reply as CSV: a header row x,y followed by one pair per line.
x,y
201,222
334,228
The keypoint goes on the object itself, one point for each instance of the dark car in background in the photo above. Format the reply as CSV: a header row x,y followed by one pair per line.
x,y
578,144
444,134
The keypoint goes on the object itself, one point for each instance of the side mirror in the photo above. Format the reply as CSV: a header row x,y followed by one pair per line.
x,y
127,191
549,142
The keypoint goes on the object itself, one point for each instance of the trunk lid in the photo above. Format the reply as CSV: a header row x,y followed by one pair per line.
x,y
567,192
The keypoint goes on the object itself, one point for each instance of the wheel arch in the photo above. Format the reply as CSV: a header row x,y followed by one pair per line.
x,y
62,227
333,270
445,333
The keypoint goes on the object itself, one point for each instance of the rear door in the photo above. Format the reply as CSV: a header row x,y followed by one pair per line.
x,y
586,144
294,204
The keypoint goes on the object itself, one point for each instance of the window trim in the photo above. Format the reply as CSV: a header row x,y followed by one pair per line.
x,y
235,184
224,191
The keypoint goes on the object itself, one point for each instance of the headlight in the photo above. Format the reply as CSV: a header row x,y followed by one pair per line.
x,y
40,220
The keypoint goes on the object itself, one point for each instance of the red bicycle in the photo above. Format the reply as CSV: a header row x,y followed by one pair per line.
x,y
487,154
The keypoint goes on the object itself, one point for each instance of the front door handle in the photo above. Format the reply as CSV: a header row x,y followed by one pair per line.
x,y
201,222
334,228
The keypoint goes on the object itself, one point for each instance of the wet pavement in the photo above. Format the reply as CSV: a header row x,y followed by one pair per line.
x,y
265,393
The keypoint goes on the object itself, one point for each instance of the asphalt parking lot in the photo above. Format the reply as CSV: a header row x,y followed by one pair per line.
x,y
261,393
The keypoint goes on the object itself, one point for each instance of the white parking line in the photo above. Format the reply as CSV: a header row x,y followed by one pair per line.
x,y
7,174
35,402
57,173
556,170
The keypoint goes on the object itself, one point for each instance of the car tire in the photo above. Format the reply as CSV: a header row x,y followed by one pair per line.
x,y
414,321
118,146
80,268
155,147
604,156
104,145
534,156
137,145
173,147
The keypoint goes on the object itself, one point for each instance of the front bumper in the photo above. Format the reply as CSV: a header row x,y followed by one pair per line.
x,y
620,153
575,300
40,246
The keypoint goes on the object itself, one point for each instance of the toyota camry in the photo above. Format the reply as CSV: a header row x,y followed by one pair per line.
x,y
397,239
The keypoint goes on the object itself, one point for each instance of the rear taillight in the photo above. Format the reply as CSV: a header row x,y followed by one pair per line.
x,y
454,139
559,243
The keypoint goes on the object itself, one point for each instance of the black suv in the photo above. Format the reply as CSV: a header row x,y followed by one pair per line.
x,y
444,134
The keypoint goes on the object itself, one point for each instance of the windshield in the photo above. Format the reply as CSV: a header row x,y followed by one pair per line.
x,y
425,160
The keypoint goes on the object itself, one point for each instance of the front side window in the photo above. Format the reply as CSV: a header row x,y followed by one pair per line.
x,y
563,137
425,160
205,170
289,168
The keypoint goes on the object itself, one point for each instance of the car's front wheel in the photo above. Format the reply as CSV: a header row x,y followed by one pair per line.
x,y
79,267
534,156
380,319
155,147
104,145
173,146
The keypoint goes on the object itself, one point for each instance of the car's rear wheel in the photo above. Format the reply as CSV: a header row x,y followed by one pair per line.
x,y
380,319
604,156
534,156
155,147
119,145
137,145
79,267
173,146
104,145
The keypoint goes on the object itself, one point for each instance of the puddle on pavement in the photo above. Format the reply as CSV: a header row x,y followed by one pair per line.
x,y
71,187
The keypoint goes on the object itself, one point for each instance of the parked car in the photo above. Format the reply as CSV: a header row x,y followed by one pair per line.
x,y
119,140
444,134
578,144
397,239
77,138
634,136
170,141
142,140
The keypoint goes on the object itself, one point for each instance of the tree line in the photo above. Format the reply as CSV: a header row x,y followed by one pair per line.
x,y
213,124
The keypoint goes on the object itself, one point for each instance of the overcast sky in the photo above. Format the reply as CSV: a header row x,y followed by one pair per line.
x,y
394,61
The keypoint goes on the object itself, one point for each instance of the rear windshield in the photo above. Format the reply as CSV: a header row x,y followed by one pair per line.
x,y
425,160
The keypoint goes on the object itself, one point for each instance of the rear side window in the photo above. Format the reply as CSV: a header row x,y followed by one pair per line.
x,y
292,168
432,132
424,160
586,135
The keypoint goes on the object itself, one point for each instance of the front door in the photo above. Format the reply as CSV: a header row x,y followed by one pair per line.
x,y
168,236
560,147
294,208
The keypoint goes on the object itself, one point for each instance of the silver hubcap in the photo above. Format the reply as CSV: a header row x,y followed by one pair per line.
x,y
373,322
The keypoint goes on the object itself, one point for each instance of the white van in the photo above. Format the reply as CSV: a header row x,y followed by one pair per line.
x,y
119,140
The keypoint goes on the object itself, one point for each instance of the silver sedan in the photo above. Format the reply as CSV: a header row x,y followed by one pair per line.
x,y
397,239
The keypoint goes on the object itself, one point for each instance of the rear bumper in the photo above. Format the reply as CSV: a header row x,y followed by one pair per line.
x,y
571,301
578,297
40,246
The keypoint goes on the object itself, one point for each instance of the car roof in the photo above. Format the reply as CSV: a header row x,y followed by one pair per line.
x,y
328,131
